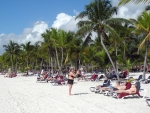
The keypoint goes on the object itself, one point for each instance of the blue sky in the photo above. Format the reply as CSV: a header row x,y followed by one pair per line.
x,y
15,15
25,20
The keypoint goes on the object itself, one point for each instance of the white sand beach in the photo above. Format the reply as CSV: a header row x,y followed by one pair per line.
x,y
24,95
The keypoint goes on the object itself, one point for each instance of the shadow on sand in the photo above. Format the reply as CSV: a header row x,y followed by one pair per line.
x,y
80,93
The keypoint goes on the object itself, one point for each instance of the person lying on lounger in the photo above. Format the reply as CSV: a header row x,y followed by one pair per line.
x,y
116,87
132,90
43,76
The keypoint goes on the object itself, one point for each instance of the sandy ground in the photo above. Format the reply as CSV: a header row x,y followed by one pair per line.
x,y
24,95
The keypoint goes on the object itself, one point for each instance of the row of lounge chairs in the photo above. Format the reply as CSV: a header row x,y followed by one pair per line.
x,y
57,80
61,80
146,81
107,83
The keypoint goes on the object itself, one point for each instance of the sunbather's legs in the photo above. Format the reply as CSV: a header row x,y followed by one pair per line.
x,y
123,91
105,88
98,87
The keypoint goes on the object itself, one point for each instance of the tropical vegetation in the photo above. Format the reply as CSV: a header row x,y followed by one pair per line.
x,y
101,42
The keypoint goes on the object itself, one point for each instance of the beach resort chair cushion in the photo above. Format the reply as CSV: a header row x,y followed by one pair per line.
x,y
101,76
125,73
139,78
105,84
92,78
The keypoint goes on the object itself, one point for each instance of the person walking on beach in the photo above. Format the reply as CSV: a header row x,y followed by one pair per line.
x,y
71,77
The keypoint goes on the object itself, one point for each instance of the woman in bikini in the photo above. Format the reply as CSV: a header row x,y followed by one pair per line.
x,y
71,77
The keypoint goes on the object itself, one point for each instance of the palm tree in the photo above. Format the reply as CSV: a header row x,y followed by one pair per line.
x,y
53,37
142,27
27,48
48,46
12,50
97,17
123,2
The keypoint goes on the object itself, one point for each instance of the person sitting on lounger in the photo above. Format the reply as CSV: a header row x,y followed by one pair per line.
x,y
132,90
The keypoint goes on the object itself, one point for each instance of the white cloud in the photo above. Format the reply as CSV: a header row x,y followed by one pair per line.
x,y
29,34
40,27
2,35
129,10
75,12
65,22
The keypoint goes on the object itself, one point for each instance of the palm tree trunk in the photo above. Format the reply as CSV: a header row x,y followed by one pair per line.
x,y
116,61
58,60
41,65
16,65
124,52
52,66
49,53
145,61
12,63
108,55
62,58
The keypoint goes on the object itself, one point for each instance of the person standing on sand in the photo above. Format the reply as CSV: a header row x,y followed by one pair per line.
x,y
71,77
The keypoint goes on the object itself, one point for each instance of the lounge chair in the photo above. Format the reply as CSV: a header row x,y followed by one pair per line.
x,y
125,73
146,81
106,83
110,92
100,77
42,79
122,95
92,78
59,81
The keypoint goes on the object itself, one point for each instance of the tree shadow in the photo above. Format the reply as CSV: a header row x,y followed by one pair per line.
x,y
80,93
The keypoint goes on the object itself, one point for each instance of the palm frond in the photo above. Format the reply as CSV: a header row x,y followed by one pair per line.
x,y
81,15
84,22
112,31
118,21
143,42
83,31
123,2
